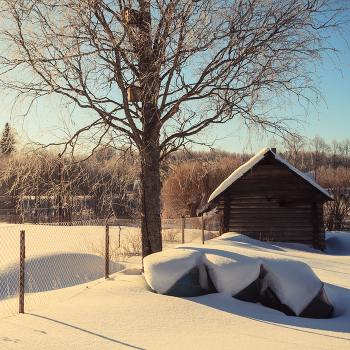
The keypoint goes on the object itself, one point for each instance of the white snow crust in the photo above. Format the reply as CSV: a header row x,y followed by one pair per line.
x,y
293,281
120,313
163,269
233,267
231,274
250,164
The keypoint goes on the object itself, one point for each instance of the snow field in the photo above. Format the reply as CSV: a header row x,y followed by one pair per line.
x,y
120,313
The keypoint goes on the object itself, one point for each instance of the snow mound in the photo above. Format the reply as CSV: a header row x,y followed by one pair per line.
x,y
54,271
293,281
231,274
233,266
163,269
338,243
239,240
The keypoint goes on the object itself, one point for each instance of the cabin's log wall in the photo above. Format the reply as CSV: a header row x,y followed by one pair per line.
x,y
272,204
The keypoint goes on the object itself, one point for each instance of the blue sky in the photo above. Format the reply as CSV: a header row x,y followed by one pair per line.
x,y
331,122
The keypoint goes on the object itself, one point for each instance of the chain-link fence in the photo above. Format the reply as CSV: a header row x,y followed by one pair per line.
x,y
192,230
40,264
59,261
9,268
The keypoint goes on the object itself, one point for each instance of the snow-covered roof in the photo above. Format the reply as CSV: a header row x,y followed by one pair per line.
x,y
241,171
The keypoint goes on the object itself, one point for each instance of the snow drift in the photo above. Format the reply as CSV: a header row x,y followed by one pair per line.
x,y
54,271
228,264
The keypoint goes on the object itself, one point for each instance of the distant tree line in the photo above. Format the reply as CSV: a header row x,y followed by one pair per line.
x,y
192,179
42,186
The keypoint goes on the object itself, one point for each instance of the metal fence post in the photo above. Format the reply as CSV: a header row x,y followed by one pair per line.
x,y
107,253
202,229
21,271
182,229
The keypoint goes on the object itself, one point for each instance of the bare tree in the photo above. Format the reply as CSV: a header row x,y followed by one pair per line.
x,y
155,73
183,189
31,186
294,147
345,152
335,150
319,150
337,182
190,184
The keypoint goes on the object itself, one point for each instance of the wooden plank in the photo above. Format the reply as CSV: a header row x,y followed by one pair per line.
x,y
267,226
265,178
258,235
261,223
268,192
277,233
272,203
272,185
272,239
281,229
268,196
253,190
274,181
255,215
251,214
267,200
306,240
271,209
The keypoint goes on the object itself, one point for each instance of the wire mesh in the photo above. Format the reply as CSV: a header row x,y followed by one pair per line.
x,y
60,261
9,269
192,229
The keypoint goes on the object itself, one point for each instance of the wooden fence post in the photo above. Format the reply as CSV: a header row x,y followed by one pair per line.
x,y
202,229
21,272
107,253
221,222
182,229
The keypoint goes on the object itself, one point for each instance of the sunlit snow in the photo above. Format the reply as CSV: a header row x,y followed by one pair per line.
x,y
121,313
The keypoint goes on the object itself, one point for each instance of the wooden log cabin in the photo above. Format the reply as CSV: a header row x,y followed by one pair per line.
x,y
270,200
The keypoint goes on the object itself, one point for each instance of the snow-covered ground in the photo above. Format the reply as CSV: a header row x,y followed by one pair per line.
x,y
121,313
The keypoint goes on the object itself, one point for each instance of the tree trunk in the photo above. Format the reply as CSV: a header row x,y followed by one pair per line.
x,y
149,147
150,202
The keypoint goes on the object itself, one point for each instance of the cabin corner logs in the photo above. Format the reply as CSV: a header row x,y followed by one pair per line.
x,y
273,203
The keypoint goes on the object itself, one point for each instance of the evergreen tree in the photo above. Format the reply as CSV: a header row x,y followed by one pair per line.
x,y
7,142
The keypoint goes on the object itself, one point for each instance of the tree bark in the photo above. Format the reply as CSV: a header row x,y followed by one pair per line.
x,y
150,201
149,148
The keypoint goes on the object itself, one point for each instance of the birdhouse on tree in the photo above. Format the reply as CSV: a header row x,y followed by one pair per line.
x,y
134,93
132,17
